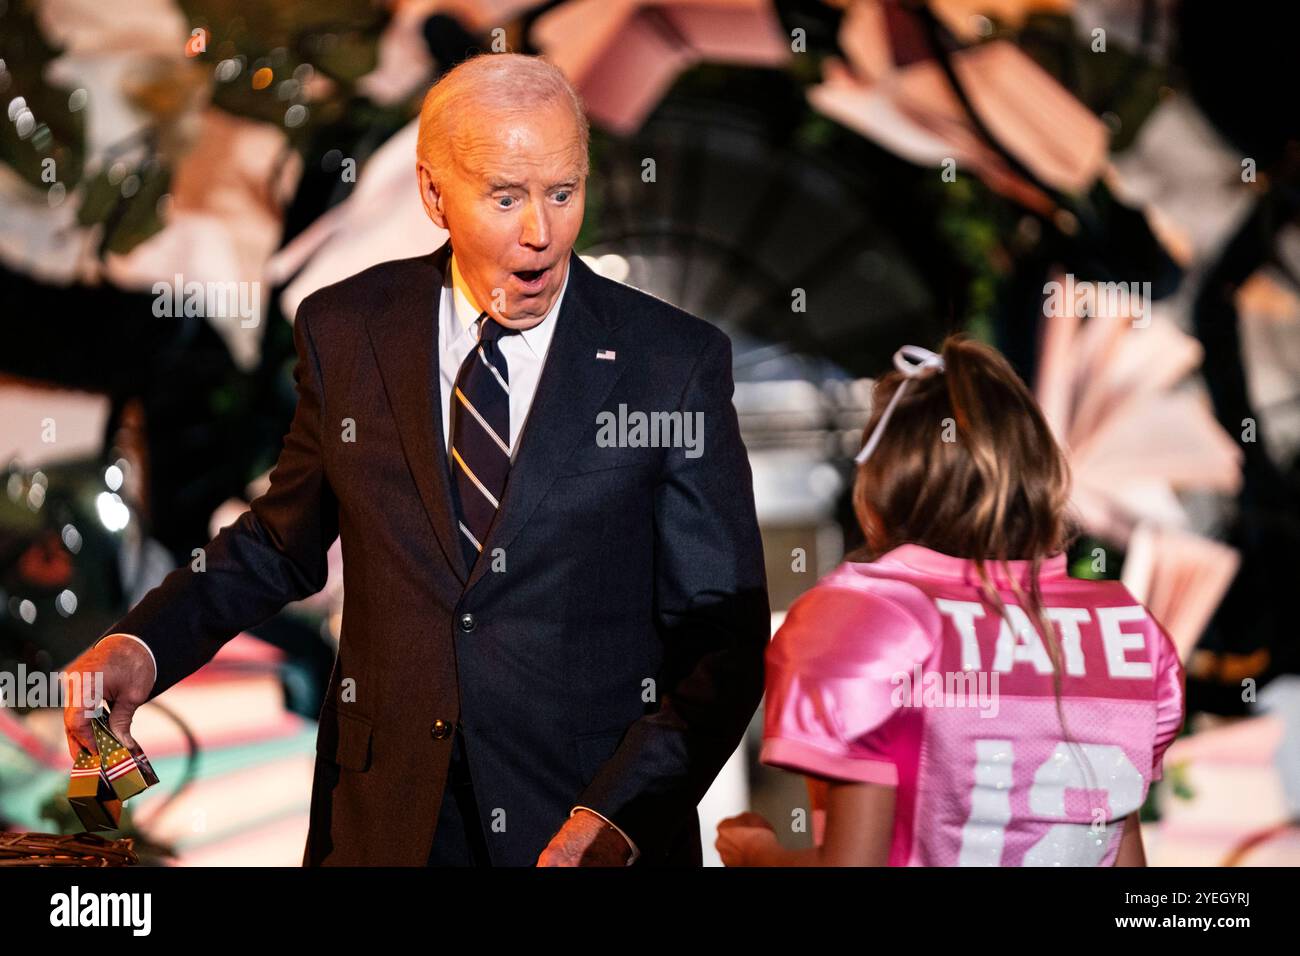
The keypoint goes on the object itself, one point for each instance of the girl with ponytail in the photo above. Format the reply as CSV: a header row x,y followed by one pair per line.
x,y
951,694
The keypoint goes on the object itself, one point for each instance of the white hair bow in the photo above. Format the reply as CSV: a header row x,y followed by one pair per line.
x,y
914,362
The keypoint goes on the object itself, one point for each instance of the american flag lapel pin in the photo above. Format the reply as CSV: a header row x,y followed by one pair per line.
x,y
606,354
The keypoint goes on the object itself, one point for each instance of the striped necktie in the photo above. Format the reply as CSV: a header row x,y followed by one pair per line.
x,y
480,436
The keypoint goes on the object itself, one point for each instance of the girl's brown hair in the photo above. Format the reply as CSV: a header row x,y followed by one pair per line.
x,y
968,466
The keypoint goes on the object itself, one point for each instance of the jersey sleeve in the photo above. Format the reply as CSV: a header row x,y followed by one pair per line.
x,y
833,673
1170,699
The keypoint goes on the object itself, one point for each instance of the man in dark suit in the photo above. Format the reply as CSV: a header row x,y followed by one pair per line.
x,y
555,610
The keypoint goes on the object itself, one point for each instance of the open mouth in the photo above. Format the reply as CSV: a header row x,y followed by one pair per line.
x,y
531,276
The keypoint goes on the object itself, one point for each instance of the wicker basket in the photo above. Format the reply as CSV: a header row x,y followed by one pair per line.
x,y
76,849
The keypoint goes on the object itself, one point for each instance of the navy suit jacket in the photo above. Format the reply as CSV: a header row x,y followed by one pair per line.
x,y
607,653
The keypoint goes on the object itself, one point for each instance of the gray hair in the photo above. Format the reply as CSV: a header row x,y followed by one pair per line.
x,y
510,83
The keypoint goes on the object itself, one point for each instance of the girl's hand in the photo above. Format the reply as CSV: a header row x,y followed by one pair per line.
x,y
745,839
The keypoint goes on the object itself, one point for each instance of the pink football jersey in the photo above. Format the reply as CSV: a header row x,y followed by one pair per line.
x,y
900,672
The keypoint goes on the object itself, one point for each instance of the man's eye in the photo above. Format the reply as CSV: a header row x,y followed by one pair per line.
x,y
506,199
562,195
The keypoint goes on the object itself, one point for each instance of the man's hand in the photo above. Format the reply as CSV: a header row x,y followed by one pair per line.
x,y
128,672
586,840
744,840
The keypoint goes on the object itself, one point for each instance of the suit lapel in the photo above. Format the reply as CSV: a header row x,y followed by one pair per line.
x,y
573,386
405,339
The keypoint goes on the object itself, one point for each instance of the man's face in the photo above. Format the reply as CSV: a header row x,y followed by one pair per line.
x,y
513,202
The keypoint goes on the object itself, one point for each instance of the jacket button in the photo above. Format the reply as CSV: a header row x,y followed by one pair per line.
x,y
441,730
467,622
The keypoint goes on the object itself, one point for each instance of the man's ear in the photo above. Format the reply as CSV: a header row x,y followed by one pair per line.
x,y
431,195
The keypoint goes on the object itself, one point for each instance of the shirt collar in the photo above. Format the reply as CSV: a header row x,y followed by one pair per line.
x,y
538,338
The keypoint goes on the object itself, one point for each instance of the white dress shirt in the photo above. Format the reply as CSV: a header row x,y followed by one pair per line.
x,y
525,355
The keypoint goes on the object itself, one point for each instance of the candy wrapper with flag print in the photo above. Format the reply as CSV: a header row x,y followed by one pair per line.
x,y
99,782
